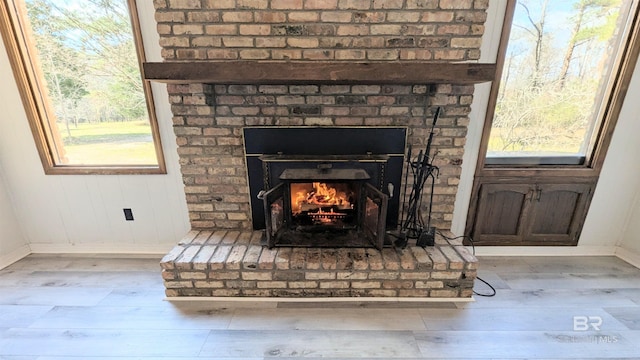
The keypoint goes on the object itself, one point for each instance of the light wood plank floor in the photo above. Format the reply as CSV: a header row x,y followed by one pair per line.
x,y
79,307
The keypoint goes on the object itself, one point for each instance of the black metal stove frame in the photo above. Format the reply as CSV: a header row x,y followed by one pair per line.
x,y
380,151
370,205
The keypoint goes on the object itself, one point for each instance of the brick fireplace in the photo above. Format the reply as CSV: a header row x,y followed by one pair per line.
x,y
236,64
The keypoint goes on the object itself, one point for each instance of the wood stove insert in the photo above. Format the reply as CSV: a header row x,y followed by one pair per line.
x,y
324,207
325,186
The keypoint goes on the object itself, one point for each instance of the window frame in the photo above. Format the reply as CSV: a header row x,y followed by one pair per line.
x,y
610,111
30,86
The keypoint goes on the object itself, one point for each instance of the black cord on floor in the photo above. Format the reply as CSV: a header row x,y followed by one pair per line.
x,y
473,250
493,290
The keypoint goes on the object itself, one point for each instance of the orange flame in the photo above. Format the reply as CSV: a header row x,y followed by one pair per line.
x,y
308,198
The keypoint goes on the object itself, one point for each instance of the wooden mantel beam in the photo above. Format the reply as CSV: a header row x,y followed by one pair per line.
x,y
320,72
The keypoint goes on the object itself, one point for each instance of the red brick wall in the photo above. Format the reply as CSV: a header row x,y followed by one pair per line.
x,y
379,30
208,119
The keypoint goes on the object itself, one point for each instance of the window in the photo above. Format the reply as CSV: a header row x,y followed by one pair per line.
x,y
564,68
561,66
77,64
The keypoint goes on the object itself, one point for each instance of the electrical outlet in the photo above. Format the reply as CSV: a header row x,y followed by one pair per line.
x,y
128,214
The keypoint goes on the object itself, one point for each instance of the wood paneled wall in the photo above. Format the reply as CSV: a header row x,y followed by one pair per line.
x,y
83,213
12,244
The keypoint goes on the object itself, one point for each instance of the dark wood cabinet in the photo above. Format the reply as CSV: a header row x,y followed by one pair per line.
x,y
529,214
501,208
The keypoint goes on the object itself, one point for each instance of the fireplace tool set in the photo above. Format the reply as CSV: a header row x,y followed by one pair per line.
x,y
413,225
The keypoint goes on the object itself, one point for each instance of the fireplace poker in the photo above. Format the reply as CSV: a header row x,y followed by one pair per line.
x,y
429,162
401,237
423,169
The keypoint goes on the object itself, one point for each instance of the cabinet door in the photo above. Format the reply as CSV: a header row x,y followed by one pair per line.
x,y
500,214
557,213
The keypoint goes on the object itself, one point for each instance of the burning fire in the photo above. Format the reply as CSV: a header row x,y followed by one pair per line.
x,y
321,195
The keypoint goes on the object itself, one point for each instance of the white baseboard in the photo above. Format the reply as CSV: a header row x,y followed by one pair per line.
x,y
631,257
545,250
158,249
124,249
10,258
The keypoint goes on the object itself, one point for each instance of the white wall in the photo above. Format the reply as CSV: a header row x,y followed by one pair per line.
x,y
619,182
617,189
630,241
628,148
83,213
13,245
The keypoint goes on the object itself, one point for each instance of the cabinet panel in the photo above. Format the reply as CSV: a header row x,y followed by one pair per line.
x,y
557,211
500,212
537,213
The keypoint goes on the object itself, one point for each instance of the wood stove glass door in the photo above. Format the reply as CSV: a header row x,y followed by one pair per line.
x,y
273,201
375,215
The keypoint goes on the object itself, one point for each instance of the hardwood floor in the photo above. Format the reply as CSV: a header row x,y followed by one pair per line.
x,y
72,307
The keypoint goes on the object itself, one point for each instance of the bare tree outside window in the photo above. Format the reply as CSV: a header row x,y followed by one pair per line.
x,y
556,73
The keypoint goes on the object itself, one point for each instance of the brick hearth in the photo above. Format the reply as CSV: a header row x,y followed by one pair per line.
x,y
233,263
